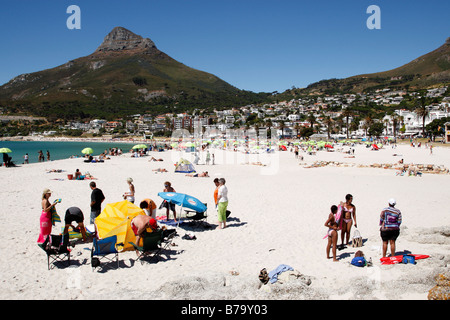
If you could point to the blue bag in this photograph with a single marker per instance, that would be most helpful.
(408, 259)
(359, 261)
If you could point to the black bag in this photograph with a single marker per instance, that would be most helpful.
(95, 262)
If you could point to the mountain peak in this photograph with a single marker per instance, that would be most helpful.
(120, 39)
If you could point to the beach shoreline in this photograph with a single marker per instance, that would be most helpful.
(278, 210)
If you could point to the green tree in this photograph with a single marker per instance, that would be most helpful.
(328, 122)
(422, 112)
(347, 113)
(376, 129)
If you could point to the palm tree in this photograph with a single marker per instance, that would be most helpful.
(347, 113)
(329, 124)
(339, 123)
(296, 128)
(367, 123)
(422, 112)
(395, 122)
(311, 119)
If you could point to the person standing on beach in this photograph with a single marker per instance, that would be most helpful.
(48, 155)
(171, 206)
(97, 198)
(40, 156)
(222, 198)
(332, 226)
(25, 158)
(45, 221)
(216, 191)
(390, 221)
(129, 195)
(349, 212)
(149, 207)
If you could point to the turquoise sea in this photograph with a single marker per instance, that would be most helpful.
(58, 150)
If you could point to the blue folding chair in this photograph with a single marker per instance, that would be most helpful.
(104, 250)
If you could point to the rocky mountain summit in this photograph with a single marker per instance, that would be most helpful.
(123, 39)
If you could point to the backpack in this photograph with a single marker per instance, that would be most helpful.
(359, 261)
(408, 259)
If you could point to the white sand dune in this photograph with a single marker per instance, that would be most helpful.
(278, 216)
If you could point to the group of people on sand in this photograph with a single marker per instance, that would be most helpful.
(74, 214)
(342, 217)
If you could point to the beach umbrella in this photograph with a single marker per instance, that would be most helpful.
(87, 151)
(115, 219)
(183, 200)
(140, 146)
(5, 150)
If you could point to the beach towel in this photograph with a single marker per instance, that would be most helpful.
(273, 275)
(399, 258)
(55, 216)
(339, 220)
(172, 222)
(45, 223)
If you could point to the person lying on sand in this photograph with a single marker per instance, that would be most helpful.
(154, 159)
(200, 175)
(160, 170)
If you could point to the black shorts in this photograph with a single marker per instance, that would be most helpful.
(387, 235)
(73, 214)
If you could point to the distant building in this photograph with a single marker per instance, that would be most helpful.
(447, 132)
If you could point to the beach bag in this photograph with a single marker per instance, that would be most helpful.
(408, 259)
(357, 239)
(359, 260)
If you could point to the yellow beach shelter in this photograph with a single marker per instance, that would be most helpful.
(115, 219)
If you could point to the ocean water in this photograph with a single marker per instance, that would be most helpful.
(58, 149)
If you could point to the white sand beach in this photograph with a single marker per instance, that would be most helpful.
(278, 213)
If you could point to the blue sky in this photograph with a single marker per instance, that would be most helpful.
(256, 45)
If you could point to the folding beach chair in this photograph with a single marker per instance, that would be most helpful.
(56, 248)
(153, 244)
(104, 250)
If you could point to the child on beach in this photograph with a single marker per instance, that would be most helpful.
(332, 226)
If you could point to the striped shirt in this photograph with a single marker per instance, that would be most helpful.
(390, 219)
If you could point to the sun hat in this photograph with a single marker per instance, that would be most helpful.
(153, 224)
(392, 201)
(129, 179)
(46, 190)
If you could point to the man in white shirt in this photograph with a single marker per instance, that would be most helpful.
(222, 199)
